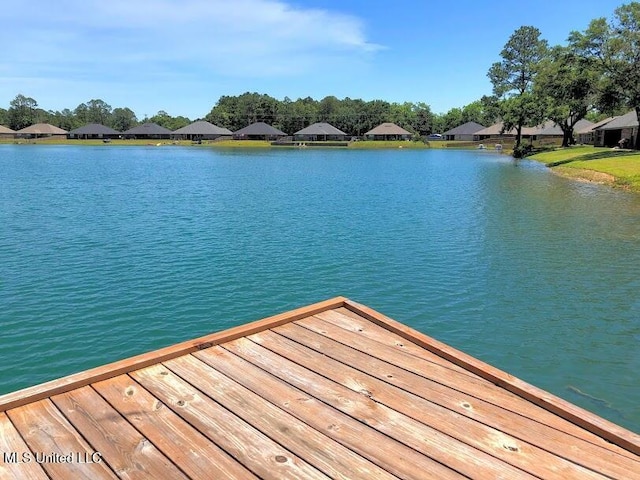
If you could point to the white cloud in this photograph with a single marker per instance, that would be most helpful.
(239, 38)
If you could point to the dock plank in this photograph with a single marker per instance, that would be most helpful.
(129, 454)
(309, 444)
(348, 320)
(586, 420)
(393, 456)
(574, 449)
(475, 387)
(332, 390)
(22, 465)
(191, 451)
(264, 457)
(47, 431)
(441, 447)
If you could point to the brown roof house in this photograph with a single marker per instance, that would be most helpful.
(201, 130)
(40, 130)
(388, 131)
(623, 127)
(258, 131)
(465, 132)
(148, 130)
(6, 132)
(320, 131)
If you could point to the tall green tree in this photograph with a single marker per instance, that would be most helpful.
(23, 112)
(513, 76)
(98, 111)
(4, 117)
(566, 84)
(615, 46)
(165, 120)
(122, 119)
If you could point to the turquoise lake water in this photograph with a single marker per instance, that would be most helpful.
(107, 252)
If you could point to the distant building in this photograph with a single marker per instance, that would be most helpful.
(94, 131)
(320, 131)
(463, 132)
(6, 132)
(148, 131)
(201, 130)
(40, 130)
(622, 127)
(258, 131)
(388, 131)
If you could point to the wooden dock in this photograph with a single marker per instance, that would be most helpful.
(333, 390)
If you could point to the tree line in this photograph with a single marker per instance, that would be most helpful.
(595, 75)
(353, 116)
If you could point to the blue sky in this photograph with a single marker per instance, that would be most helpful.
(182, 55)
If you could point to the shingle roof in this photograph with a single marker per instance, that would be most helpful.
(94, 129)
(320, 128)
(148, 129)
(496, 129)
(550, 128)
(259, 128)
(202, 128)
(43, 129)
(594, 126)
(388, 128)
(4, 129)
(468, 128)
(629, 119)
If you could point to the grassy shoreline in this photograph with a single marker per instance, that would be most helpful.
(617, 168)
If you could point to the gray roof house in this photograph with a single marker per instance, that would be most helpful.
(465, 132)
(319, 131)
(94, 130)
(258, 131)
(41, 130)
(201, 130)
(624, 127)
(495, 131)
(587, 134)
(148, 130)
(388, 131)
(551, 129)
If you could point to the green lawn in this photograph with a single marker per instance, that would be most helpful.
(620, 167)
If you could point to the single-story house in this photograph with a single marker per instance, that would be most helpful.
(495, 131)
(258, 131)
(319, 131)
(6, 132)
(587, 135)
(622, 127)
(95, 131)
(201, 130)
(41, 130)
(465, 132)
(148, 130)
(388, 131)
(550, 129)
